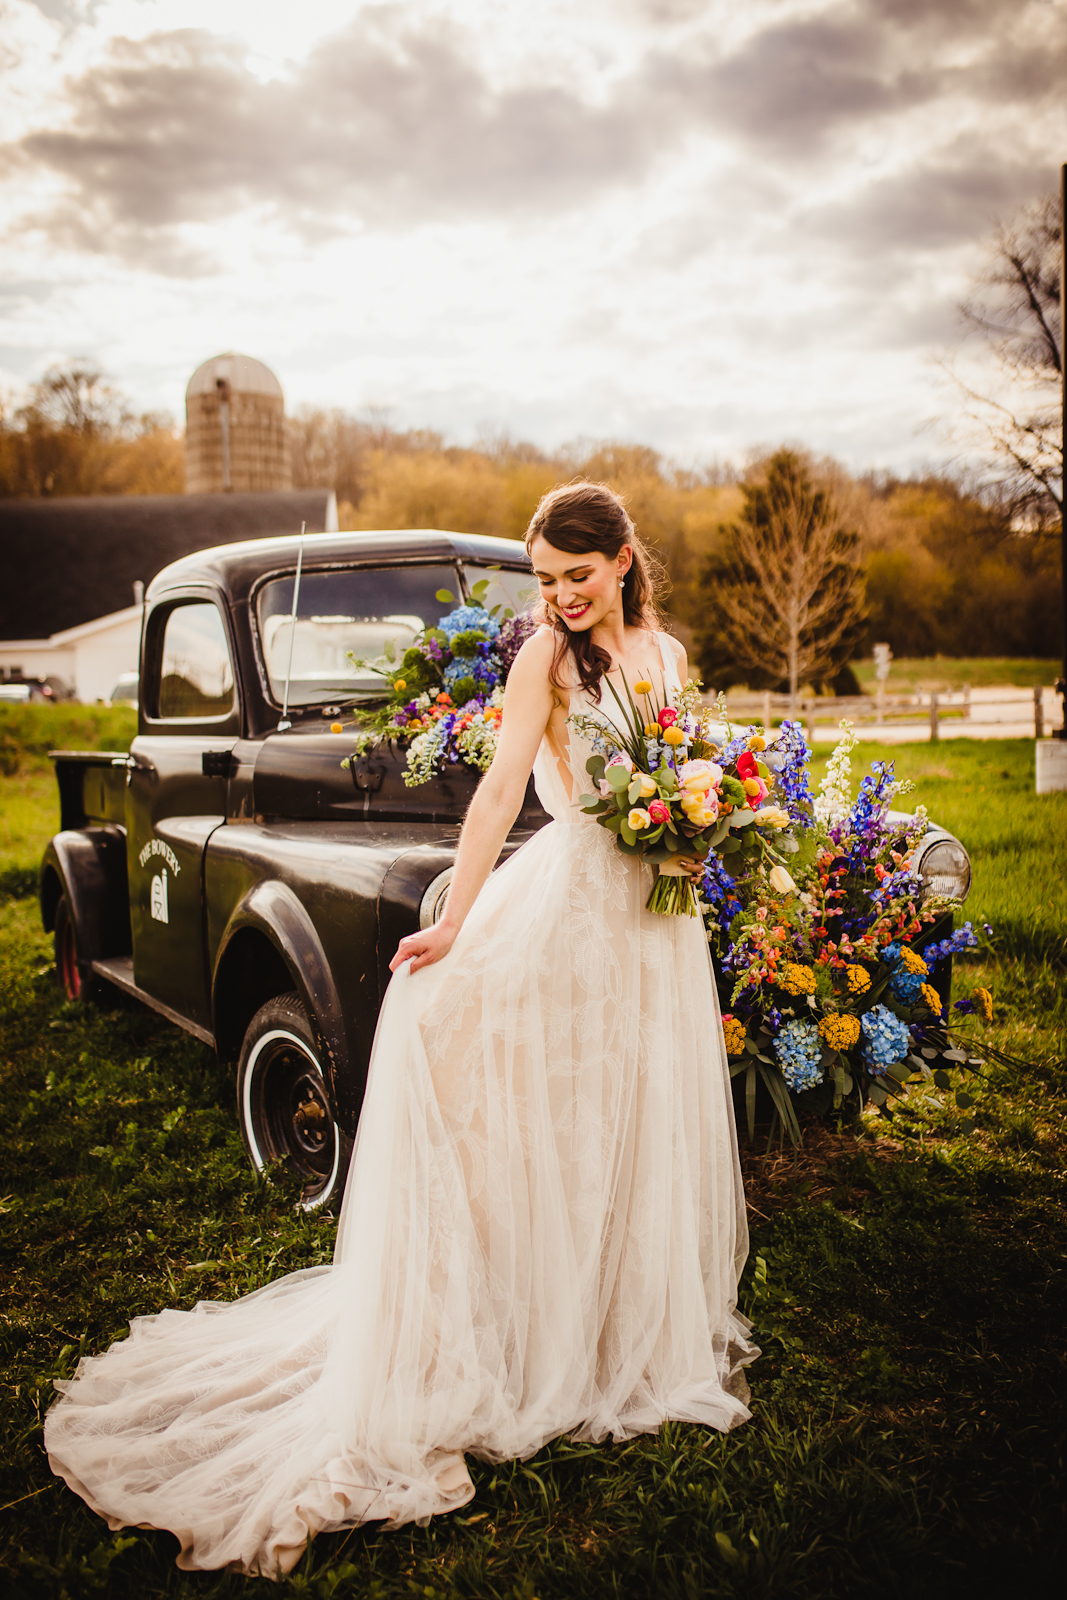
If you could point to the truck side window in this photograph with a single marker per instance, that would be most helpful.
(195, 677)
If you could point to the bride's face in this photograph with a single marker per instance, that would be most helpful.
(581, 588)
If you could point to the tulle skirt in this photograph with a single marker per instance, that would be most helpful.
(542, 1233)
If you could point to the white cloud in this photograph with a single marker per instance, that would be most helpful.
(703, 225)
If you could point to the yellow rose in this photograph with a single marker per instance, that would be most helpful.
(772, 817)
(649, 786)
(781, 881)
(673, 736)
(638, 819)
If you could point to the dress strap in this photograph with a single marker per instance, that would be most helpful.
(670, 666)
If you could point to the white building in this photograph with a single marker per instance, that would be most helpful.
(86, 660)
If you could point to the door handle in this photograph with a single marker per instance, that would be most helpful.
(218, 764)
(134, 764)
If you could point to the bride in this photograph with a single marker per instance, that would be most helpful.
(543, 1225)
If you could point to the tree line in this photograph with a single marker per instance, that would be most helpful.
(776, 574)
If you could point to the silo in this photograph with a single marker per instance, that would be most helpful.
(235, 433)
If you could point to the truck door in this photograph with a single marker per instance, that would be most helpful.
(177, 776)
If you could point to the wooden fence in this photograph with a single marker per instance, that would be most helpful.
(920, 710)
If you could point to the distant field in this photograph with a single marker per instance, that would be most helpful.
(948, 672)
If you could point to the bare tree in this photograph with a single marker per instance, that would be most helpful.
(1015, 310)
(787, 602)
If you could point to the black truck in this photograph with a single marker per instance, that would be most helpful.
(229, 871)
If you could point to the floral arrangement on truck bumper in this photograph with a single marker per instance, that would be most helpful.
(828, 984)
(668, 792)
(446, 693)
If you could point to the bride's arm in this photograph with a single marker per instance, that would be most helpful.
(497, 802)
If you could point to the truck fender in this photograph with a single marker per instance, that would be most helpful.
(272, 910)
(88, 865)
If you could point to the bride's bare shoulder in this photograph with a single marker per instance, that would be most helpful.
(534, 660)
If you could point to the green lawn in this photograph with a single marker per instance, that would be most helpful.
(947, 672)
(909, 1289)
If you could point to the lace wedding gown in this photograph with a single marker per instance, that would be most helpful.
(541, 1234)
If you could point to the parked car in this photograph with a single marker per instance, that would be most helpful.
(125, 692)
(227, 871)
(27, 691)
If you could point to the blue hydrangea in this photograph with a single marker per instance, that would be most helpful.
(466, 618)
(485, 670)
(906, 985)
(886, 1039)
(799, 1051)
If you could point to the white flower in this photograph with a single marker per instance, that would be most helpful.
(781, 881)
(834, 800)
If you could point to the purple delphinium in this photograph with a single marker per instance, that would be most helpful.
(792, 753)
(963, 939)
(720, 891)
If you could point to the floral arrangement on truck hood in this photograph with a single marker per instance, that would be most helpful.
(829, 984)
(446, 693)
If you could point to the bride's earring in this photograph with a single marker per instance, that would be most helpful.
(622, 583)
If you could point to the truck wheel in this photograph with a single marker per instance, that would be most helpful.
(284, 1105)
(75, 977)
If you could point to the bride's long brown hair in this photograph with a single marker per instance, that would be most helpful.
(581, 517)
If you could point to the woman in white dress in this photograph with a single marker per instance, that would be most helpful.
(543, 1226)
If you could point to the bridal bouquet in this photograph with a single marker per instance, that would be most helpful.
(830, 987)
(446, 692)
(667, 791)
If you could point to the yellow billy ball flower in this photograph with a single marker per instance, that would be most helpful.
(735, 1034)
(638, 819)
(400, 685)
(673, 736)
(642, 686)
(796, 979)
(652, 730)
(757, 742)
(859, 980)
(912, 962)
(336, 727)
(840, 1030)
(932, 998)
(983, 1004)
(752, 787)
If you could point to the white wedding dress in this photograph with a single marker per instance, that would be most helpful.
(541, 1234)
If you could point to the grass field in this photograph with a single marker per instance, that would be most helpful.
(946, 672)
(909, 1289)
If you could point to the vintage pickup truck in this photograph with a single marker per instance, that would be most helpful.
(229, 872)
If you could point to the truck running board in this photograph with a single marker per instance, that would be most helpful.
(119, 971)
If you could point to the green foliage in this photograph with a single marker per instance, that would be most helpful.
(908, 1288)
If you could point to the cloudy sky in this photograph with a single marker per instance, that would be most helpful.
(701, 224)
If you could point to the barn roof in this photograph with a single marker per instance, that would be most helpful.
(71, 559)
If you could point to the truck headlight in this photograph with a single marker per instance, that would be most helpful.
(432, 904)
(943, 865)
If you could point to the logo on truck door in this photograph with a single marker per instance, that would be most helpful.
(159, 897)
(157, 903)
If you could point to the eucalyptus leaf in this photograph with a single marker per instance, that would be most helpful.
(618, 779)
(445, 596)
(942, 1079)
(967, 1126)
(963, 1099)
(954, 1055)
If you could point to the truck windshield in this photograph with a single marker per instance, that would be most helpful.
(344, 614)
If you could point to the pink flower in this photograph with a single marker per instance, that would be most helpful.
(658, 811)
(667, 717)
